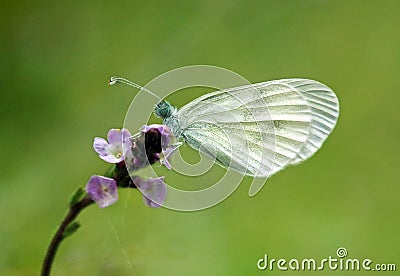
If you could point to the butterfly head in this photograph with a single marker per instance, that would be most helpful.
(164, 110)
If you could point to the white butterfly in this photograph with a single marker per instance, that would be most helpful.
(257, 129)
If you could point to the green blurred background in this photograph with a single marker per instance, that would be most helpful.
(55, 61)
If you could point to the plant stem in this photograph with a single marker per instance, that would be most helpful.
(73, 212)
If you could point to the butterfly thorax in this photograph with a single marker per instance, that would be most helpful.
(168, 113)
(173, 123)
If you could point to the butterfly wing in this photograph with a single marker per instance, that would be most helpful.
(260, 129)
(324, 107)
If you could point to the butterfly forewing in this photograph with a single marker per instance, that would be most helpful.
(260, 129)
(324, 108)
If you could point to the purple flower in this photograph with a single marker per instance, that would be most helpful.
(111, 151)
(167, 149)
(154, 190)
(102, 190)
(135, 155)
(164, 131)
(150, 145)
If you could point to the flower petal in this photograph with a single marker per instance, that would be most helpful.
(100, 146)
(154, 190)
(163, 130)
(111, 151)
(114, 136)
(102, 190)
(127, 142)
(125, 133)
(111, 158)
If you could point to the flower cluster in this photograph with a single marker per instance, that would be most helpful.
(128, 154)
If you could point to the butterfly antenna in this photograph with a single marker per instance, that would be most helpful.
(115, 80)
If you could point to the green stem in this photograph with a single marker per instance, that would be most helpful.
(59, 236)
(120, 174)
